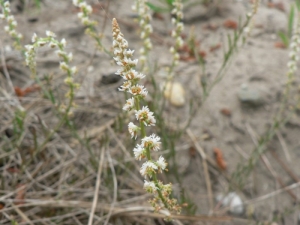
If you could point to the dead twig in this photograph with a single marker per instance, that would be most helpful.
(284, 147)
(285, 167)
(274, 193)
(115, 187)
(205, 168)
(98, 182)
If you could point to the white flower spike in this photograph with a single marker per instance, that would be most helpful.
(123, 58)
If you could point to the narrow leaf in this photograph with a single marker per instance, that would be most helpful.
(291, 21)
(157, 8)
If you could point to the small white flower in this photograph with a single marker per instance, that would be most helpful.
(138, 90)
(61, 53)
(34, 38)
(64, 66)
(2, 16)
(150, 187)
(146, 116)
(142, 51)
(6, 4)
(89, 9)
(130, 62)
(129, 104)
(80, 15)
(63, 42)
(119, 63)
(247, 30)
(133, 129)
(179, 41)
(123, 43)
(74, 70)
(50, 34)
(85, 21)
(143, 59)
(133, 75)
(120, 71)
(148, 43)
(29, 48)
(10, 18)
(69, 80)
(14, 23)
(180, 26)
(161, 163)
(172, 50)
(173, 20)
(52, 44)
(128, 52)
(148, 168)
(82, 5)
(12, 33)
(291, 64)
(126, 86)
(70, 56)
(173, 33)
(139, 152)
(148, 28)
(152, 142)
(75, 2)
(142, 23)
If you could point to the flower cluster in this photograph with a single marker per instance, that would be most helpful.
(294, 46)
(176, 33)
(146, 29)
(247, 29)
(85, 11)
(65, 57)
(150, 168)
(83, 15)
(12, 24)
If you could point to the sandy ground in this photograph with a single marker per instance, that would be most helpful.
(257, 65)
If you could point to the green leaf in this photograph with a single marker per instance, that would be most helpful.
(284, 38)
(298, 5)
(229, 41)
(291, 21)
(170, 2)
(157, 8)
(38, 3)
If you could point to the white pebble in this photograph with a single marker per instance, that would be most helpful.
(175, 93)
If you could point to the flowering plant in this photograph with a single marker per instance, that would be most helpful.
(65, 57)
(150, 168)
(11, 24)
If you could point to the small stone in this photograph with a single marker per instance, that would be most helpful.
(233, 201)
(7, 48)
(110, 79)
(250, 96)
(175, 93)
